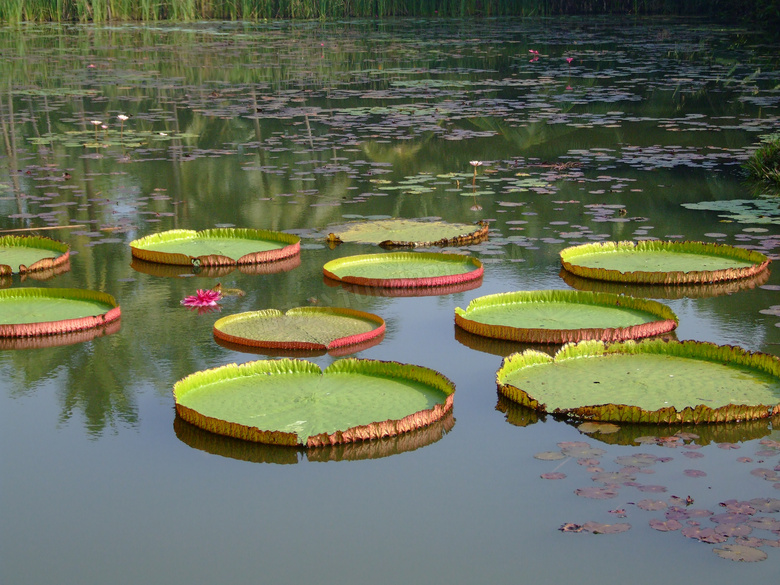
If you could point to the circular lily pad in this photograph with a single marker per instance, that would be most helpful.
(302, 328)
(23, 254)
(648, 382)
(26, 312)
(404, 269)
(409, 233)
(560, 316)
(216, 247)
(294, 402)
(178, 271)
(659, 262)
(669, 291)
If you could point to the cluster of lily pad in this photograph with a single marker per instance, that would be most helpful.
(741, 529)
(665, 381)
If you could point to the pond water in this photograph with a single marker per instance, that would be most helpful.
(587, 130)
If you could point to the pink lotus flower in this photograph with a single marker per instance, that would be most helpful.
(569, 60)
(203, 298)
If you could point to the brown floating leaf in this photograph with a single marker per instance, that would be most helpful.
(550, 456)
(665, 525)
(598, 528)
(735, 552)
(604, 493)
(651, 505)
(595, 427)
(703, 534)
(553, 475)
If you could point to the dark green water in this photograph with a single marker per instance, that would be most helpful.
(297, 127)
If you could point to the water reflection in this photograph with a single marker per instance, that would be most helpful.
(197, 438)
(660, 291)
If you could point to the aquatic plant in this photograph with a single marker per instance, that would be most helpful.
(764, 163)
(202, 298)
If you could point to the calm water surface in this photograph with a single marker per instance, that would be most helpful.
(298, 127)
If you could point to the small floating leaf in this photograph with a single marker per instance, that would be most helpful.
(735, 552)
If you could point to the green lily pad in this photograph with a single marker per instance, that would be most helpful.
(294, 402)
(648, 382)
(560, 316)
(23, 254)
(668, 291)
(26, 312)
(659, 262)
(302, 328)
(216, 247)
(404, 269)
(409, 233)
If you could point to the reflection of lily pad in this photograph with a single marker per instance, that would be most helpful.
(175, 270)
(404, 269)
(260, 453)
(307, 328)
(216, 247)
(398, 233)
(23, 254)
(60, 339)
(559, 316)
(294, 402)
(379, 291)
(659, 262)
(28, 312)
(648, 382)
(669, 291)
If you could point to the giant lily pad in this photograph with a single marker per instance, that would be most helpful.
(404, 269)
(648, 382)
(179, 271)
(560, 316)
(28, 312)
(302, 328)
(23, 254)
(659, 262)
(668, 291)
(294, 402)
(409, 233)
(216, 247)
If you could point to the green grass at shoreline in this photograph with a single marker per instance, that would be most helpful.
(15, 11)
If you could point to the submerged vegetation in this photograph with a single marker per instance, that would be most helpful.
(764, 164)
(765, 11)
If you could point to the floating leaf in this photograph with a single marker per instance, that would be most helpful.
(735, 552)
(405, 269)
(648, 382)
(216, 247)
(659, 262)
(665, 525)
(302, 328)
(289, 402)
(598, 528)
(23, 254)
(26, 312)
(399, 233)
(560, 316)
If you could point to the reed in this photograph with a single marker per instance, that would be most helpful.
(14, 11)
